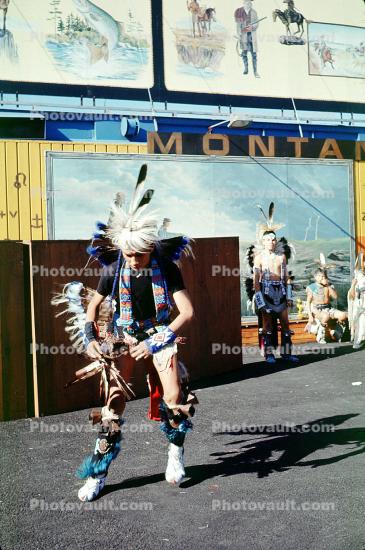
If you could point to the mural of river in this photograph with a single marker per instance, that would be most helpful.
(125, 63)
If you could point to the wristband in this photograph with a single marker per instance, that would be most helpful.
(259, 299)
(159, 340)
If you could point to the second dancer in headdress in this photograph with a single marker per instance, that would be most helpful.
(272, 287)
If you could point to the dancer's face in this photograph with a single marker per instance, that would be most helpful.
(269, 242)
(321, 279)
(137, 260)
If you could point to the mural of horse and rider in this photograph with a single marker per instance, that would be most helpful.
(287, 17)
(201, 18)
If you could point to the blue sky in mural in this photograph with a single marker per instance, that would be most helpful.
(205, 198)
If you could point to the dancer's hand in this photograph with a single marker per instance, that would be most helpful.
(290, 303)
(140, 351)
(93, 350)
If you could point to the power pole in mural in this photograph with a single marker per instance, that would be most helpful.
(308, 228)
(316, 231)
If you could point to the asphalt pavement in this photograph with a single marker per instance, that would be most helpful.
(275, 461)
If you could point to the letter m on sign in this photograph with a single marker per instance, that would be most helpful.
(156, 145)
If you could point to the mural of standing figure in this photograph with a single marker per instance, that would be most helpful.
(247, 22)
(4, 6)
(194, 8)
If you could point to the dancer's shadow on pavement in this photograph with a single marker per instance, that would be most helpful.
(269, 449)
(277, 449)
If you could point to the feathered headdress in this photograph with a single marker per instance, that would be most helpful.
(322, 263)
(133, 229)
(269, 224)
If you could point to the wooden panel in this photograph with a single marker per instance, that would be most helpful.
(79, 147)
(56, 363)
(12, 191)
(67, 147)
(24, 191)
(15, 334)
(3, 194)
(112, 149)
(89, 147)
(133, 149)
(216, 302)
(122, 149)
(37, 191)
(56, 146)
(100, 148)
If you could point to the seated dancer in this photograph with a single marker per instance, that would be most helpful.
(356, 303)
(320, 312)
(140, 275)
(272, 288)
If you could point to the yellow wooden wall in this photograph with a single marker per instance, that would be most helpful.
(23, 203)
(360, 203)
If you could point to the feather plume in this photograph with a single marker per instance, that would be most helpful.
(269, 225)
(141, 179)
(322, 262)
(147, 196)
(75, 297)
(262, 211)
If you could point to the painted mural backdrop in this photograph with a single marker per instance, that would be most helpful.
(271, 48)
(77, 42)
(218, 199)
(336, 50)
